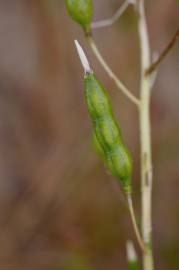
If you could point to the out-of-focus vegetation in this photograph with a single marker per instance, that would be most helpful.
(59, 207)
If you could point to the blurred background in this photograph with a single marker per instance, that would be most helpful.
(59, 208)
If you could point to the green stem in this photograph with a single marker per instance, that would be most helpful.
(145, 137)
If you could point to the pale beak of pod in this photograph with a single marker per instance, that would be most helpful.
(83, 59)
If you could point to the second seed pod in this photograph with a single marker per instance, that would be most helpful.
(81, 11)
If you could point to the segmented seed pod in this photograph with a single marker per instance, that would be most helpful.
(107, 134)
(81, 11)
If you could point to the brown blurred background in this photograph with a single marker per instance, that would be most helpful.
(59, 207)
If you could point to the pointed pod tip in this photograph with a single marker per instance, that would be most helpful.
(83, 58)
(131, 252)
(132, 2)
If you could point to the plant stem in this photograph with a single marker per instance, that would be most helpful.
(119, 84)
(134, 223)
(145, 137)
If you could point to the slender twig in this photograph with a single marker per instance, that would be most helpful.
(165, 52)
(145, 138)
(134, 223)
(114, 18)
(108, 70)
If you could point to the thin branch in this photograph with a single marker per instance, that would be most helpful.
(134, 223)
(108, 70)
(165, 52)
(115, 17)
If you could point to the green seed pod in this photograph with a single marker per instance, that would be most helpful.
(81, 11)
(107, 133)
